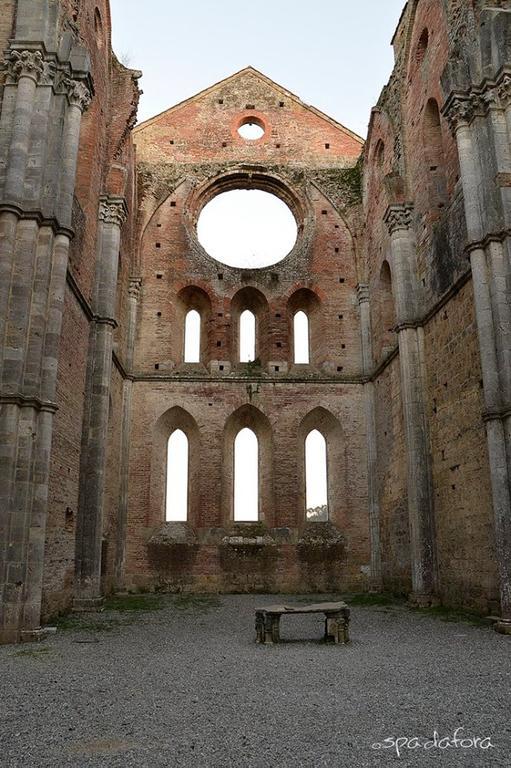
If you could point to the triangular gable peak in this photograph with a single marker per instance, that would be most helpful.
(204, 128)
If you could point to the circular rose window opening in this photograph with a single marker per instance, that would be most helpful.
(247, 228)
(251, 129)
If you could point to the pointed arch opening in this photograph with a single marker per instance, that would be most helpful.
(177, 477)
(316, 478)
(385, 306)
(192, 337)
(193, 316)
(247, 337)
(434, 156)
(305, 327)
(249, 313)
(246, 476)
(301, 338)
(322, 492)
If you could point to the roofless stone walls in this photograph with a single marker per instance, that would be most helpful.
(159, 396)
(188, 156)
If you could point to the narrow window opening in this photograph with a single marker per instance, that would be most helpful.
(247, 336)
(192, 337)
(316, 477)
(177, 477)
(301, 338)
(246, 477)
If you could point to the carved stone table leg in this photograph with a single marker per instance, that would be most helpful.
(272, 628)
(260, 627)
(337, 628)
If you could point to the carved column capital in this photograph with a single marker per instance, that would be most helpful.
(504, 90)
(25, 64)
(134, 287)
(78, 93)
(460, 110)
(398, 217)
(362, 293)
(113, 210)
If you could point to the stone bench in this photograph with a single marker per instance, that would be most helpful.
(337, 620)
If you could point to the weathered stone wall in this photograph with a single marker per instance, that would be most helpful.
(411, 159)
(465, 532)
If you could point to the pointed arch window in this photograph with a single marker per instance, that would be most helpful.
(316, 477)
(177, 477)
(192, 337)
(301, 338)
(246, 476)
(247, 337)
(434, 155)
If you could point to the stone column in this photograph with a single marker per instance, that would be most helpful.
(134, 298)
(112, 214)
(27, 68)
(420, 498)
(490, 290)
(372, 472)
(33, 267)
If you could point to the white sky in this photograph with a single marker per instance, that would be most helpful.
(334, 54)
(247, 228)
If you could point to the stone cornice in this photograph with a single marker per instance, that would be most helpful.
(39, 217)
(28, 401)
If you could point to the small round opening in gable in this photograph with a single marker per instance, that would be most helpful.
(251, 129)
(247, 228)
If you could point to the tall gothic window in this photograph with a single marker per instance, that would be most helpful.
(301, 338)
(246, 476)
(316, 477)
(247, 336)
(192, 336)
(177, 477)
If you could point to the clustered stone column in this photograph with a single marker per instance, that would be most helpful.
(481, 122)
(398, 219)
(35, 230)
(112, 214)
(120, 559)
(372, 472)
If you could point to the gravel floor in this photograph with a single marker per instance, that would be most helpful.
(189, 687)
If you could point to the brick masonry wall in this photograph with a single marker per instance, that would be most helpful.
(179, 153)
(211, 404)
